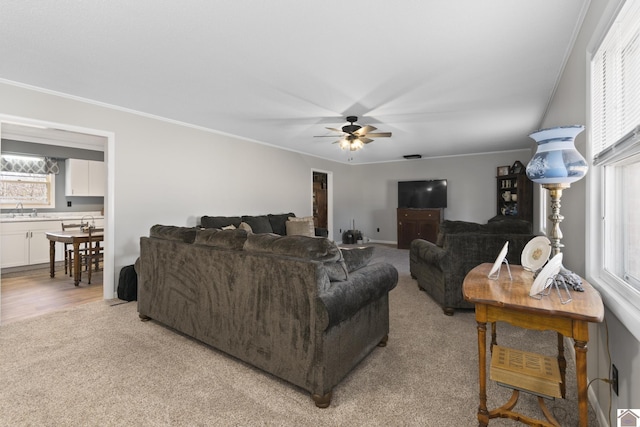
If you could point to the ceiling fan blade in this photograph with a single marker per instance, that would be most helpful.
(365, 130)
(324, 136)
(365, 140)
(335, 130)
(379, 135)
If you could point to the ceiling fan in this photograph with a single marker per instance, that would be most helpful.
(355, 136)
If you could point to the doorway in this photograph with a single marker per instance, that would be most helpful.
(322, 194)
(40, 132)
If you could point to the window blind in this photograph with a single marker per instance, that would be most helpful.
(615, 87)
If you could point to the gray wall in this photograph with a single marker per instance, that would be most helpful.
(78, 204)
(471, 189)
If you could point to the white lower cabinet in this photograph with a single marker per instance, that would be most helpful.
(26, 243)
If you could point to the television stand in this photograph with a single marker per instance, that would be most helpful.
(418, 224)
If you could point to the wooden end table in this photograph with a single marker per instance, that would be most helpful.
(509, 301)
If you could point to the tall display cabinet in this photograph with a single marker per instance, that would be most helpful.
(514, 195)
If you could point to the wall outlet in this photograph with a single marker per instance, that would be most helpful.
(614, 379)
(69, 203)
(378, 229)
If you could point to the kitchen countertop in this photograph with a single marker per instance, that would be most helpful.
(51, 216)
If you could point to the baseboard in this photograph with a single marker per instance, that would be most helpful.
(385, 242)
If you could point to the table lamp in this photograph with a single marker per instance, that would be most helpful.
(555, 165)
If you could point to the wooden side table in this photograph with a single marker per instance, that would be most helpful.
(509, 301)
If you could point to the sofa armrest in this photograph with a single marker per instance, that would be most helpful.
(365, 285)
(427, 252)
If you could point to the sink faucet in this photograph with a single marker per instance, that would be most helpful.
(19, 205)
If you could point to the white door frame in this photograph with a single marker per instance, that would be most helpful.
(108, 287)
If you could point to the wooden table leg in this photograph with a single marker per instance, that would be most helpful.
(483, 413)
(76, 263)
(581, 374)
(52, 258)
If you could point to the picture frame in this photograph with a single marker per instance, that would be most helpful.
(517, 167)
(503, 170)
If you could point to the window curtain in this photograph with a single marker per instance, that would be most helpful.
(39, 165)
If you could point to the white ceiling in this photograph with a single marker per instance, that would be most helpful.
(447, 77)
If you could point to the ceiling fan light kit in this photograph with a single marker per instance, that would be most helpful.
(356, 136)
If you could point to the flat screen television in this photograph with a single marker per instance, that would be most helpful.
(422, 194)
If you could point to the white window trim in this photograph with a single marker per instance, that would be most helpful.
(619, 298)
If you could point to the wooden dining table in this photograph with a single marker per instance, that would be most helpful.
(76, 238)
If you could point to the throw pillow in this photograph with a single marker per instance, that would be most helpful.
(246, 227)
(171, 232)
(229, 227)
(300, 226)
(355, 258)
(300, 229)
(259, 224)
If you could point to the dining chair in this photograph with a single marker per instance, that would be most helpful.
(93, 254)
(68, 248)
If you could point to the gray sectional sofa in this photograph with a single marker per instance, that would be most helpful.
(294, 306)
(440, 268)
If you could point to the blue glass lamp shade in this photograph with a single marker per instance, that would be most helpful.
(557, 161)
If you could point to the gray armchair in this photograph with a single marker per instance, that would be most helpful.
(441, 268)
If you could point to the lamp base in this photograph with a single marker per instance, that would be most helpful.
(555, 191)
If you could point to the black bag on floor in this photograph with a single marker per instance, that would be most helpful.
(128, 284)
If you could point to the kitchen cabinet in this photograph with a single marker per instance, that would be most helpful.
(26, 243)
(418, 224)
(84, 178)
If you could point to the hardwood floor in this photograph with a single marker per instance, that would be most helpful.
(32, 292)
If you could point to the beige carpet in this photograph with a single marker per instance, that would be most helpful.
(99, 365)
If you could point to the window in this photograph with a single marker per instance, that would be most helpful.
(614, 143)
(27, 181)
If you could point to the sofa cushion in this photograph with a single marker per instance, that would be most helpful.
(219, 221)
(171, 232)
(355, 258)
(453, 227)
(224, 239)
(312, 248)
(259, 224)
(278, 222)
